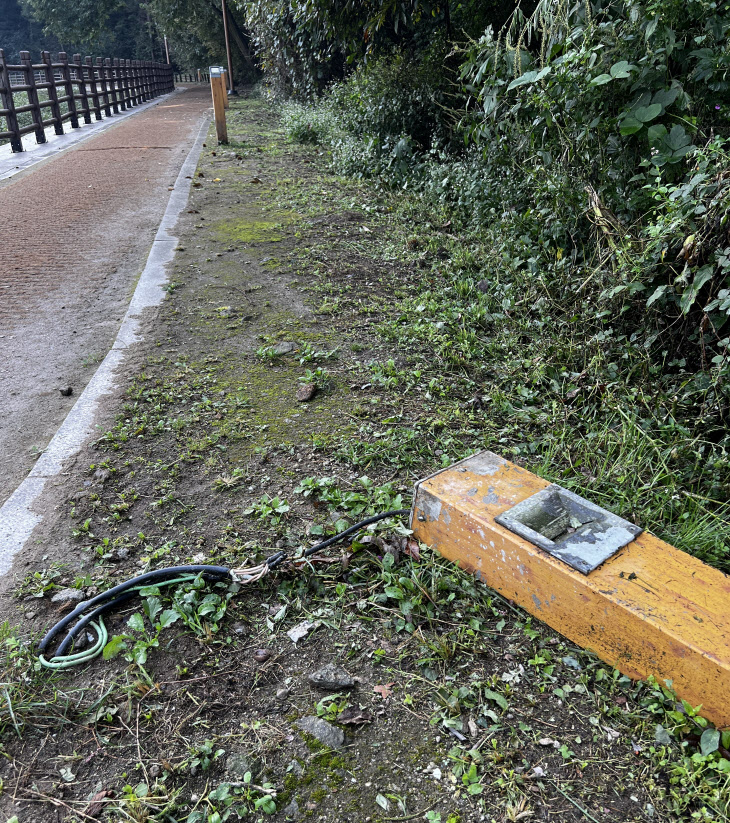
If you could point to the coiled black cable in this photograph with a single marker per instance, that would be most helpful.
(108, 600)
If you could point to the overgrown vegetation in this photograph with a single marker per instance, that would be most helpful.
(571, 171)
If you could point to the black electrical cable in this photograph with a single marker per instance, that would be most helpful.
(148, 579)
(126, 591)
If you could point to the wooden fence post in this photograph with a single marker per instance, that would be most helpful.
(83, 94)
(68, 86)
(32, 92)
(104, 87)
(118, 75)
(111, 84)
(136, 92)
(126, 74)
(8, 110)
(52, 93)
(144, 80)
(94, 88)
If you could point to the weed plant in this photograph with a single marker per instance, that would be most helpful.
(575, 249)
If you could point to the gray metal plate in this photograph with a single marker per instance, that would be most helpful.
(569, 527)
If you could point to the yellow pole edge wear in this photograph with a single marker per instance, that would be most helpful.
(649, 609)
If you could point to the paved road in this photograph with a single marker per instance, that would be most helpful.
(75, 232)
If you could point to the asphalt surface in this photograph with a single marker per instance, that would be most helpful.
(76, 233)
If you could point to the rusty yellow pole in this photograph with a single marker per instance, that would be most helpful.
(646, 609)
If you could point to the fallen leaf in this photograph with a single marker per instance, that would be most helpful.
(300, 631)
(216, 180)
(384, 690)
(412, 549)
(97, 802)
(353, 716)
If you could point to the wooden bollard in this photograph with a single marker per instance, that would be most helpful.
(218, 90)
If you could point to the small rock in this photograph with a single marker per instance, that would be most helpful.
(261, 655)
(67, 596)
(154, 770)
(122, 553)
(306, 392)
(572, 663)
(327, 734)
(436, 774)
(282, 694)
(292, 810)
(285, 347)
(331, 678)
(238, 764)
(102, 475)
(30, 614)
(255, 180)
(296, 768)
(67, 392)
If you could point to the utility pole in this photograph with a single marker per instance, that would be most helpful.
(228, 46)
(167, 51)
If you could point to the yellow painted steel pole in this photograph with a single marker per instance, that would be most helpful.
(647, 610)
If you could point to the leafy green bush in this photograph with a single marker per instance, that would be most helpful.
(311, 124)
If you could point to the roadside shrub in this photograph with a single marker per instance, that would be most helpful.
(315, 124)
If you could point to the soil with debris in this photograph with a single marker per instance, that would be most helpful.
(273, 403)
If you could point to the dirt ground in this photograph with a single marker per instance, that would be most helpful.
(456, 706)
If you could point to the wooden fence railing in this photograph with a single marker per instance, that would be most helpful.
(188, 77)
(71, 90)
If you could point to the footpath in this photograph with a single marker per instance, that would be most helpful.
(77, 229)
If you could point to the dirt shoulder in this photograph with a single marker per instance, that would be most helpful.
(452, 704)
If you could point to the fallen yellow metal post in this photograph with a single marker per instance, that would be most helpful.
(646, 608)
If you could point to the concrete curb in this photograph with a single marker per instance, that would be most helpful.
(17, 518)
(13, 164)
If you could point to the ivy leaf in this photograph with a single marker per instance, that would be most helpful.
(665, 97)
(690, 294)
(523, 79)
(644, 114)
(656, 134)
(710, 741)
(630, 125)
(661, 736)
(621, 70)
(656, 294)
(678, 138)
(601, 80)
